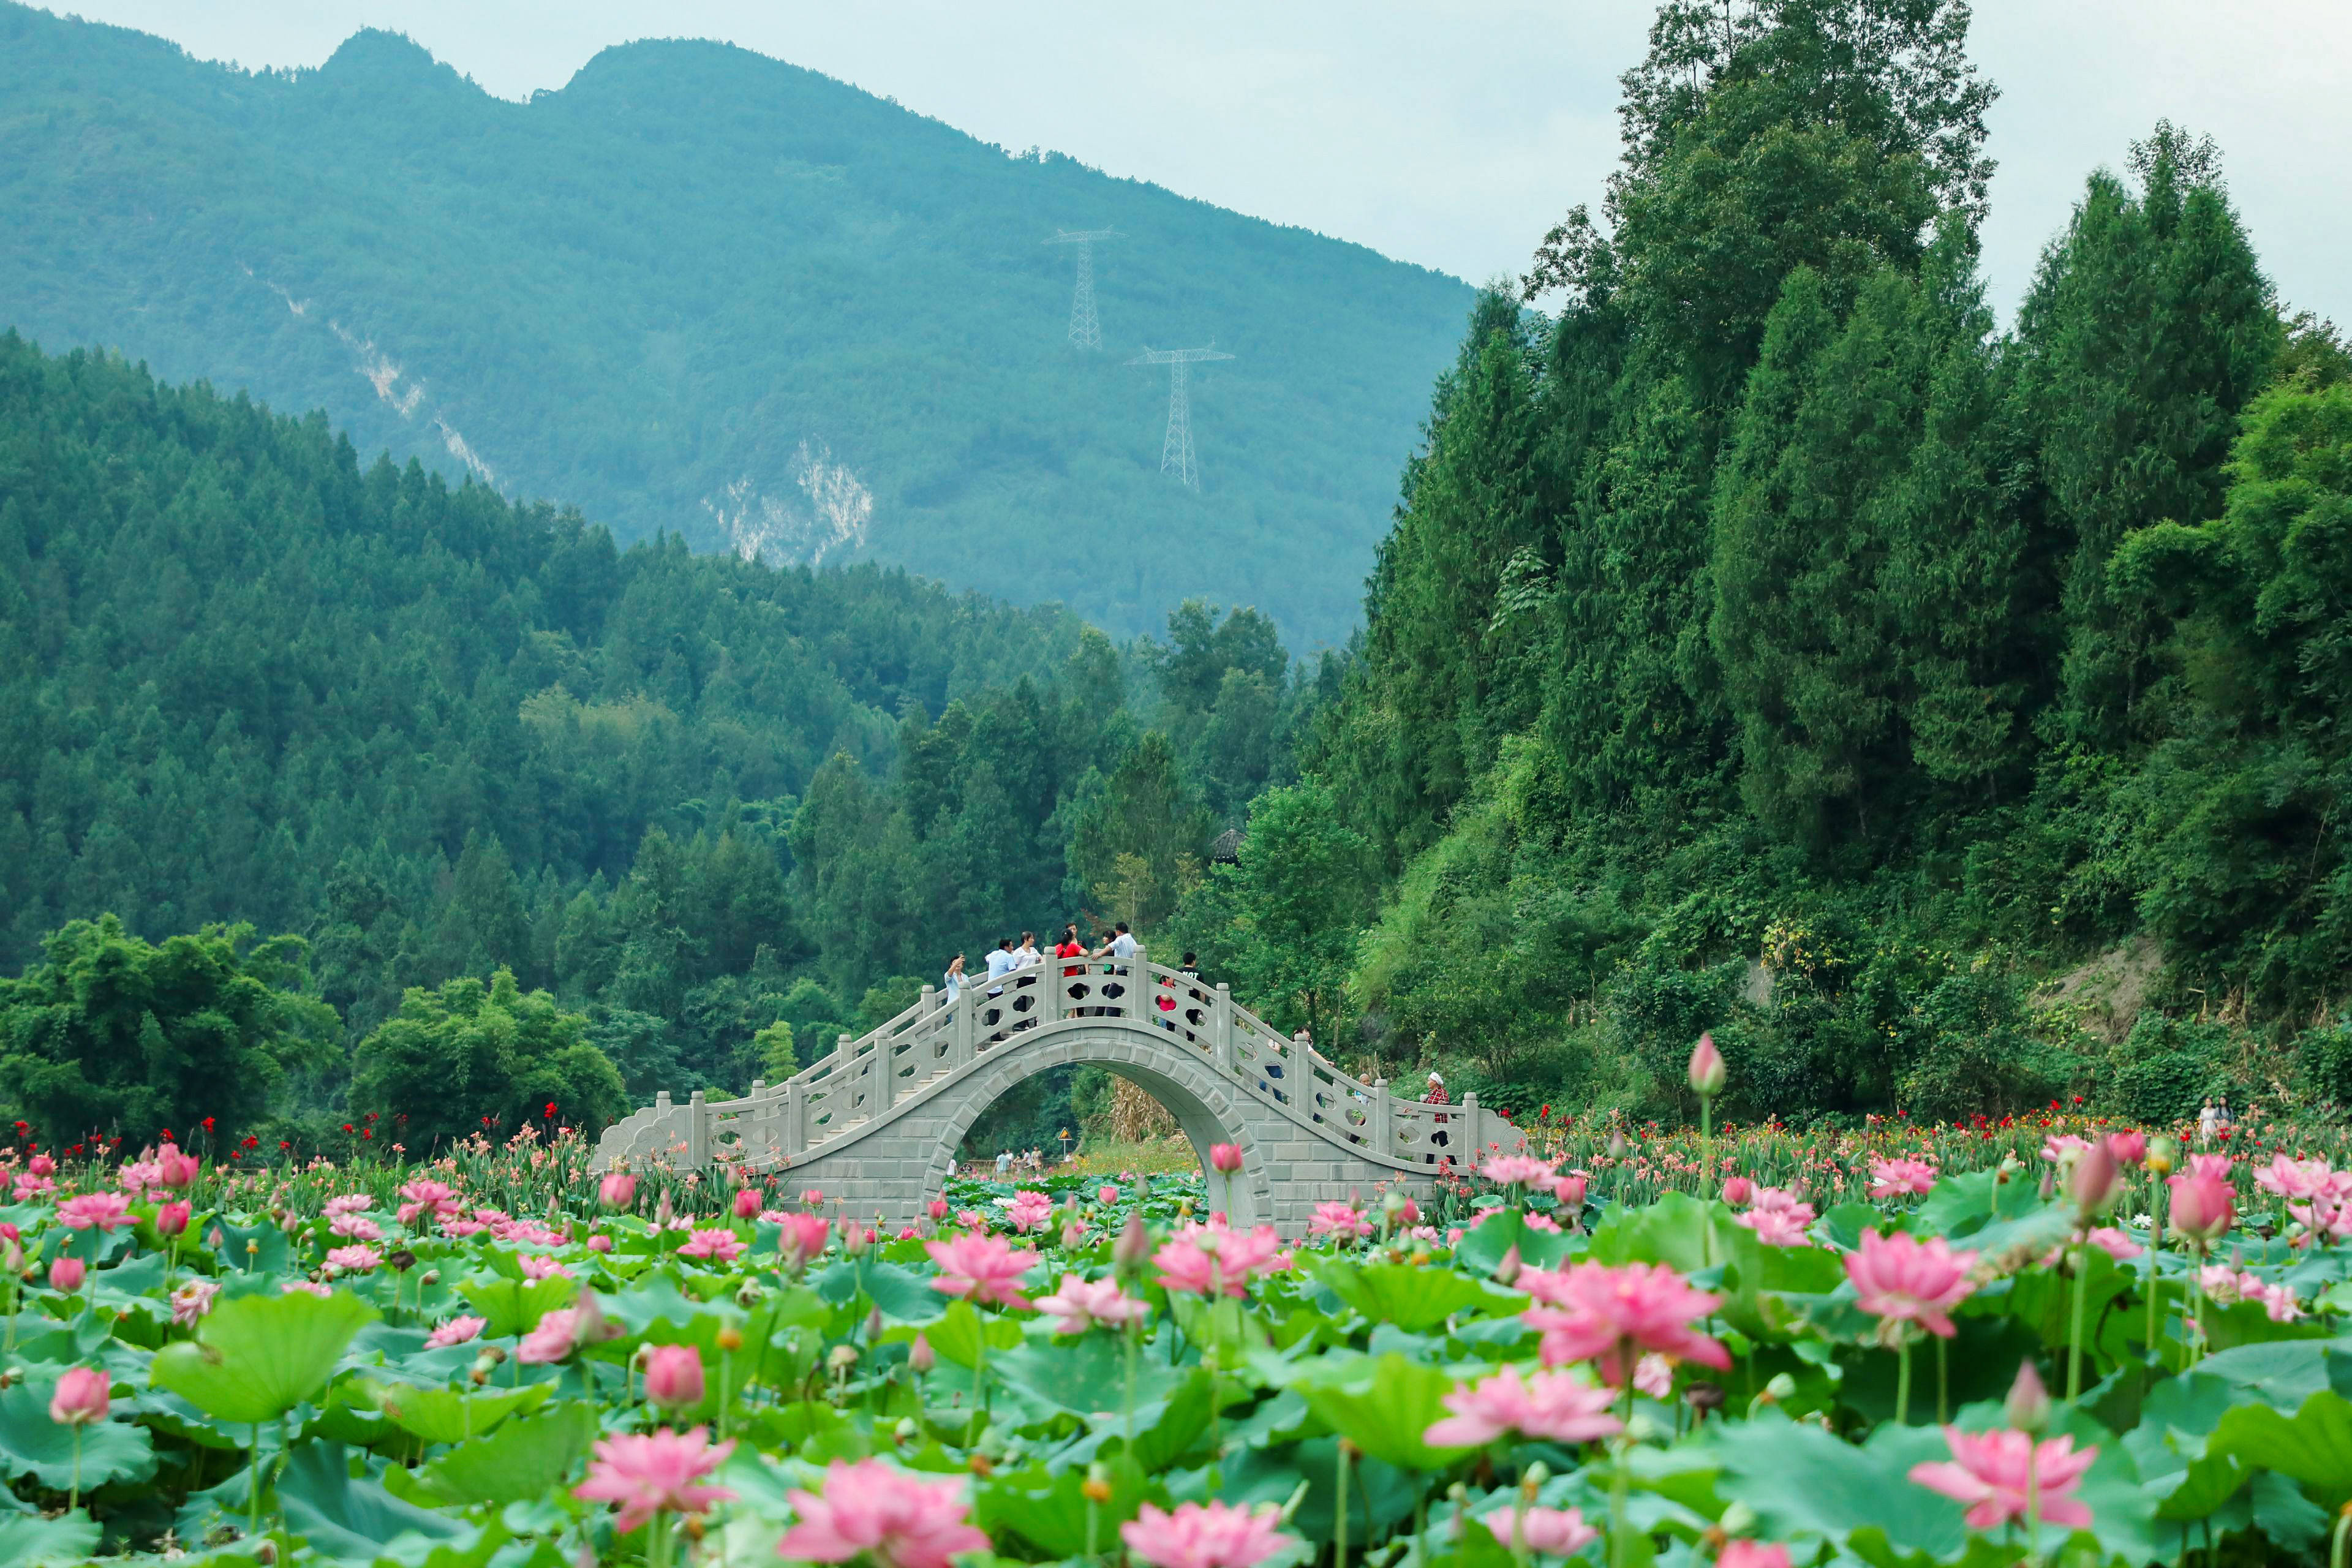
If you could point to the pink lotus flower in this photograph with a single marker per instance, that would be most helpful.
(1778, 1218)
(937, 1208)
(799, 1237)
(1654, 1374)
(1901, 1177)
(65, 1274)
(747, 1202)
(1518, 1170)
(307, 1287)
(1107, 1195)
(1900, 1278)
(657, 1473)
(869, 1509)
(1751, 1554)
(355, 1227)
(350, 1202)
(1549, 1404)
(714, 1247)
(1738, 1192)
(1225, 1158)
(674, 1377)
(556, 1337)
(617, 1191)
(2062, 1148)
(982, 1269)
(2128, 1148)
(2114, 1243)
(2295, 1178)
(1555, 1531)
(1339, 1219)
(354, 1260)
(83, 1395)
(436, 1199)
(1029, 1211)
(1569, 1188)
(1608, 1315)
(41, 1165)
(1204, 1536)
(455, 1332)
(540, 1266)
(600, 1243)
(1216, 1259)
(176, 1170)
(106, 1210)
(1992, 1472)
(172, 1219)
(1079, 1305)
(190, 1301)
(971, 1219)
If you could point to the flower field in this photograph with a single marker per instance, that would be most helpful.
(1893, 1348)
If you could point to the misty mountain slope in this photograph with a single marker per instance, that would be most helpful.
(701, 290)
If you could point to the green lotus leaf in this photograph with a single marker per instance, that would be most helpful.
(256, 1358)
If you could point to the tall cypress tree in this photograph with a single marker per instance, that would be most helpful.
(2147, 329)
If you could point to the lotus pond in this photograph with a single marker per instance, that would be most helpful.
(2099, 1350)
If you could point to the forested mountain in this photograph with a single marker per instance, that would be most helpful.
(1952, 719)
(245, 678)
(701, 292)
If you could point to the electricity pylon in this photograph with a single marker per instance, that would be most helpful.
(1176, 452)
(1083, 330)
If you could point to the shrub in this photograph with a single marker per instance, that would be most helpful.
(2166, 1068)
(465, 1053)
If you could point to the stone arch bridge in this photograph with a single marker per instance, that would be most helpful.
(876, 1124)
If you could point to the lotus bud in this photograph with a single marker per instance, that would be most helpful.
(2203, 1206)
(1226, 1158)
(674, 1377)
(1134, 1243)
(1737, 1520)
(2095, 1181)
(1706, 1069)
(855, 1239)
(2128, 1148)
(747, 1202)
(65, 1274)
(600, 1243)
(1532, 1482)
(2028, 1407)
(1740, 1192)
(617, 1191)
(919, 1355)
(1570, 1190)
(41, 1165)
(813, 1198)
(873, 1325)
(1508, 1269)
(172, 1219)
(1074, 1234)
(938, 1209)
(1782, 1388)
(1616, 1145)
(2049, 1185)
(83, 1395)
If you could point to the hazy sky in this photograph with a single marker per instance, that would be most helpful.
(1448, 134)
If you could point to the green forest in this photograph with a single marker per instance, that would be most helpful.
(1949, 715)
(703, 292)
(448, 754)
(1952, 718)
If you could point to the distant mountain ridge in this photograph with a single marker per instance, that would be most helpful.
(701, 290)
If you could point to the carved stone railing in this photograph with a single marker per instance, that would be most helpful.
(856, 1084)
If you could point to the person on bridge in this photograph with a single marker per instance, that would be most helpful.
(1070, 947)
(1437, 1096)
(1026, 953)
(1000, 964)
(954, 978)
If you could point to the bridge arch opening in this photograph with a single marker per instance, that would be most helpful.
(1205, 1113)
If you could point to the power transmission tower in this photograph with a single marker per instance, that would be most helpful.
(1084, 333)
(1176, 452)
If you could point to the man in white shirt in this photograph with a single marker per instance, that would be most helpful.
(1000, 964)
